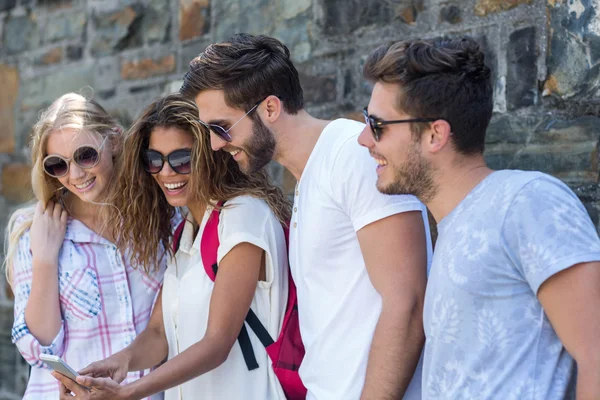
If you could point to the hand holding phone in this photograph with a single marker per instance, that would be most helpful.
(59, 365)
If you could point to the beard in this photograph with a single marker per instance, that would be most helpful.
(415, 177)
(260, 148)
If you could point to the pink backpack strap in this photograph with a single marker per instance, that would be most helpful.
(209, 244)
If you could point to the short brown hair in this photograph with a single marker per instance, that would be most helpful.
(440, 78)
(248, 69)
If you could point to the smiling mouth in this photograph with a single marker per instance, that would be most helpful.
(381, 161)
(85, 184)
(234, 152)
(173, 187)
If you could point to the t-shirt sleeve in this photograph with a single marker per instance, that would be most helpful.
(353, 184)
(547, 230)
(244, 220)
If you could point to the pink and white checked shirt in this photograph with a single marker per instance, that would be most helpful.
(104, 302)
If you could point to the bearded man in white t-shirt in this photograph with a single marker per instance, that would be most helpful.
(358, 258)
(511, 308)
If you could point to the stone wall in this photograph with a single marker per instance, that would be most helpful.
(544, 54)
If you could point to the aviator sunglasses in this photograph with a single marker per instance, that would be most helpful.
(85, 157)
(224, 133)
(376, 124)
(179, 160)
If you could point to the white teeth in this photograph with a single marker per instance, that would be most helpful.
(233, 153)
(380, 161)
(173, 186)
(85, 184)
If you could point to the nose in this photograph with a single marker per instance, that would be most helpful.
(75, 171)
(167, 170)
(366, 137)
(216, 142)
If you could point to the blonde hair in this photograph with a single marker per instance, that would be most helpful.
(73, 111)
(144, 223)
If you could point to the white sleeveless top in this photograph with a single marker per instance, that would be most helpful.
(186, 297)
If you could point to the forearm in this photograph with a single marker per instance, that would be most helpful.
(42, 312)
(394, 354)
(148, 349)
(588, 380)
(198, 359)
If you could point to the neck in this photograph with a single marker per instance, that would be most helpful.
(89, 214)
(197, 210)
(297, 136)
(454, 183)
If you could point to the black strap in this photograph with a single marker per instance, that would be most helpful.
(244, 340)
(247, 350)
(259, 329)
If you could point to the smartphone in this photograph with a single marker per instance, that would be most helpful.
(57, 364)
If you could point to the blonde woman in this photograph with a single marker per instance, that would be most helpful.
(76, 295)
(197, 322)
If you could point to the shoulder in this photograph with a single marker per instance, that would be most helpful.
(539, 188)
(342, 135)
(242, 210)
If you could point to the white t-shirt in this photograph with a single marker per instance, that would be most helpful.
(488, 336)
(337, 304)
(187, 291)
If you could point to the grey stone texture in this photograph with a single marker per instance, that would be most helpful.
(544, 56)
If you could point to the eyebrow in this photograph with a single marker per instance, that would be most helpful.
(218, 122)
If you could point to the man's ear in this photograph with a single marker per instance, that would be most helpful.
(272, 108)
(438, 135)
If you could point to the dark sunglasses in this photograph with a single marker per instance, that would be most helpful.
(224, 133)
(179, 160)
(376, 124)
(84, 157)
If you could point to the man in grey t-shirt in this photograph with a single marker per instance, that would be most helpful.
(511, 307)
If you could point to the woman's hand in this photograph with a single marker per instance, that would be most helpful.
(48, 231)
(114, 367)
(99, 388)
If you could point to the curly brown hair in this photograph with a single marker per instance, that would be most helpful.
(141, 220)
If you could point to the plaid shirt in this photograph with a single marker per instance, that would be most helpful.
(104, 303)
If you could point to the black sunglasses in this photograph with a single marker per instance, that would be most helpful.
(179, 160)
(84, 157)
(224, 133)
(376, 124)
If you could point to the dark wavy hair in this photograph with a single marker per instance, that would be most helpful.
(247, 68)
(439, 78)
(141, 220)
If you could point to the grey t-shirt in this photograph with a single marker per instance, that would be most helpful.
(487, 334)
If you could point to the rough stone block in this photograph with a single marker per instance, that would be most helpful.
(74, 52)
(155, 23)
(65, 25)
(194, 18)
(485, 7)
(294, 34)
(318, 89)
(21, 33)
(6, 5)
(113, 30)
(52, 56)
(254, 17)
(16, 183)
(451, 14)
(574, 50)
(41, 90)
(582, 129)
(521, 79)
(191, 50)
(147, 67)
(341, 17)
(9, 76)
